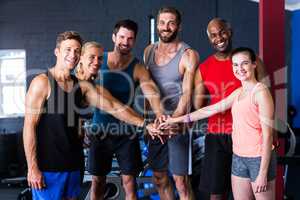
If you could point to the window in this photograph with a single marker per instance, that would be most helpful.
(152, 30)
(12, 83)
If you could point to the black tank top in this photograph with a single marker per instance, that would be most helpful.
(59, 147)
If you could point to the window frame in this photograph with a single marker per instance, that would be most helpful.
(21, 55)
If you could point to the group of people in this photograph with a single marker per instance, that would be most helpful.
(170, 78)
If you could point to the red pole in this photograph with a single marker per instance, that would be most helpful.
(272, 51)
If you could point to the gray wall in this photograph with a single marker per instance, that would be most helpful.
(33, 25)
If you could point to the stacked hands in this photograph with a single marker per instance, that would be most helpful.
(163, 128)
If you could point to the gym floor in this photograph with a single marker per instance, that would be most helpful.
(10, 191)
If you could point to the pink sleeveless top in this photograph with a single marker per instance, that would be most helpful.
(247, 132)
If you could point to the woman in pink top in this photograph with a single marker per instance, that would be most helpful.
(254, 161)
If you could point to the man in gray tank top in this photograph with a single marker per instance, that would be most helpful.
(172, 64)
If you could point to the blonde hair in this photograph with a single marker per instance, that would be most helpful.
(90, 44)
(78, 70)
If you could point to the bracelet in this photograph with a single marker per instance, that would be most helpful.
(187, 119)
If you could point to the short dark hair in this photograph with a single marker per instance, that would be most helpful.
(168, 9)
(248, 50)
(128, 24)
(68, 35)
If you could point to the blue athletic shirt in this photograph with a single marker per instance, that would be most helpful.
(121, 84)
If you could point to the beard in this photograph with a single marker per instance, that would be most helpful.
(167, 39)
(123, 51)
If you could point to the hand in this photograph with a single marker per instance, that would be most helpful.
(167, 123)
(35, 178)
(167, 130)
(161, 119)
(261, 183)
(154, 132)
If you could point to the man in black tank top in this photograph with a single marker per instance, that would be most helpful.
(172, 65)
(51, 142)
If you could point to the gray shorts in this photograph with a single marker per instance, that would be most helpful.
(248, 167)
(174, 155)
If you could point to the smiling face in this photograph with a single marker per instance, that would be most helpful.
(91, 60)
(124, 40)
(167, 27)
(219, 36)
(68, 54)
(242, 66)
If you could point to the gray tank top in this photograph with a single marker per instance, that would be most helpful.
(167, 77)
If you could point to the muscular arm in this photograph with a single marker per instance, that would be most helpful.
(189, 62)
(103, 100)
(35, 98)
(199, 98)
(149, 88)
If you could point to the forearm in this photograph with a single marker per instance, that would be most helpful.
(183, 106)
(185, 101)
(126, 114)
(196, 115)
(152, 95)
(208, 111)
(29, 140)
(200, 97)
(120, 111)
(156, 107)
(199, 102)
(103, 100)
(266, 154)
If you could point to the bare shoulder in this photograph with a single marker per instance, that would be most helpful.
(37, 93)
(191, 53)
(261, 87)
(40, 84)
(86, 86)
(140, 71)
(139, 65)
(190, 59)
(147, 51)
(262, 92)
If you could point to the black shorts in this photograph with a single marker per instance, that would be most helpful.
(216, 171)
(126, 149)
(173, 155)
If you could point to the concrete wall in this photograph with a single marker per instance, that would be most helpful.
(33, 25)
